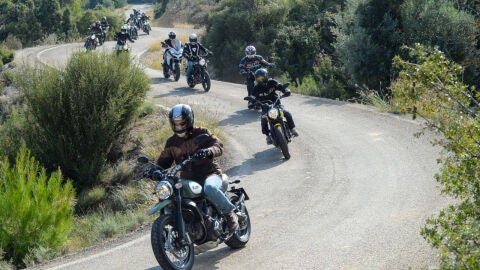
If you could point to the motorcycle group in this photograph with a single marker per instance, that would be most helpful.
(198, 206)
(128, 32)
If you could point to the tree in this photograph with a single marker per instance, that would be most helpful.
(48, 15)
(429, 85)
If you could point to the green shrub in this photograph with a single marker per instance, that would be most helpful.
(35, 209)
(6, 55)
(76, 115)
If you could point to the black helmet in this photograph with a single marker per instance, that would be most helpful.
(261, 75)
(193, 38)
(178, 114)
(172, 35)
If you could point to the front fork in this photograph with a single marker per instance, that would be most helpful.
(184, 237)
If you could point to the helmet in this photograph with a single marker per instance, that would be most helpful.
(193, 38)
(250, 51)
(97, 23)
(261, 75)
(181, 119)
(172, 35)
(131, 15)
(104, 19)
(123, 28)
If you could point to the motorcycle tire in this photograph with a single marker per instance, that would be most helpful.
(159, 235)
(282, 142)
(240, 238)
(166, 73)
(176, 74)
(206, 83)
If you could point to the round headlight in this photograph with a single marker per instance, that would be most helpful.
(164, 190)
(273, 113)
(202, 62)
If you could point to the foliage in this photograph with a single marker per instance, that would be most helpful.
(160, 7)
(429, 85)
(35, 209)
(6, 55)
(76, 115)
(367, 40)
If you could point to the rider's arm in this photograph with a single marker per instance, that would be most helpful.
(165, 160)
(241, 67)
(216, 147)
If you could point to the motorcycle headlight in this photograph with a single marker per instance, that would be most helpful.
(92, 36)
(273, 113)
(202, 62)
(164, 190)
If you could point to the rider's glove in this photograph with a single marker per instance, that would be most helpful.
(157, 174)
(287, 93)
(203, 153)
(148, 173)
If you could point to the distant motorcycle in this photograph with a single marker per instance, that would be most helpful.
(91, 42)
(173, 59)
(132, 30)
(200, 73)
(187, 219)
(277, 122)
(146, 28)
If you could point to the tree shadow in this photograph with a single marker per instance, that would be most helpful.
(159, 80)
(182, 92)
(241, 117)
(260, 161)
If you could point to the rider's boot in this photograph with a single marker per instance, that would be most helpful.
(232, 221)
(294, 132)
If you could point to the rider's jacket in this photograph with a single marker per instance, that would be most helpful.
(263, 92)
(122, 37)
(178, 149)
(95, 29)
(252, 64)
(192, 49)
(169, 42)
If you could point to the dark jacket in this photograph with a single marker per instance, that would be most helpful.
(178, 149)
(122, 37)
(192, 49)
(252, 64)
(263, 92)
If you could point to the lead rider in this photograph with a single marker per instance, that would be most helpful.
(205, 170)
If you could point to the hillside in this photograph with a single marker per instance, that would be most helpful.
(180, 12)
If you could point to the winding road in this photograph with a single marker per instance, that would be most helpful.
(354, 195)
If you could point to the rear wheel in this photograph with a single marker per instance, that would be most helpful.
(206, 83)
(240, 238)
(168, 252)
(282, 142)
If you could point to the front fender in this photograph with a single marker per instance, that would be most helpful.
(159, 206)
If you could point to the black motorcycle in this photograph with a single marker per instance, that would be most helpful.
(277, 122)
(91, 42)
(200, 73)
(187, 219)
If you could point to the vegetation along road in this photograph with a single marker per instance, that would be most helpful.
(354, 195)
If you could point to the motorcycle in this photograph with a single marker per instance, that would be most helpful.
(187, 219)
(146, 28)
(173, 59)
(91, 42)
(123, 47)
(132, 30)
(200, 73)
(277, 123)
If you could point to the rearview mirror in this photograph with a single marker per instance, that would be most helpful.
(201, 139)
(142, 159)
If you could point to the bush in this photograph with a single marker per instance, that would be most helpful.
(6, 55)
(76, 115)
(35, 209)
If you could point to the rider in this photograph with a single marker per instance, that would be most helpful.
(169, 43)
(121, 37)
(96, 28)
(248, 65)
(265, 89)
(105, 25)
(206, 170)
(191, 51)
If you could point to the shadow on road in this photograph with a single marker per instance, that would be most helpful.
(208, 260)
(241, 117)
(182, 92)
(260, 161)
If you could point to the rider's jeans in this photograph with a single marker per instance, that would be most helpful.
(212, 191)
(189, 69)
(288, 116)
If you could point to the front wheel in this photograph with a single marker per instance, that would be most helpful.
(166, 247)
(176, 75)
(240, 238)
(282, 142)
(206, 81)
